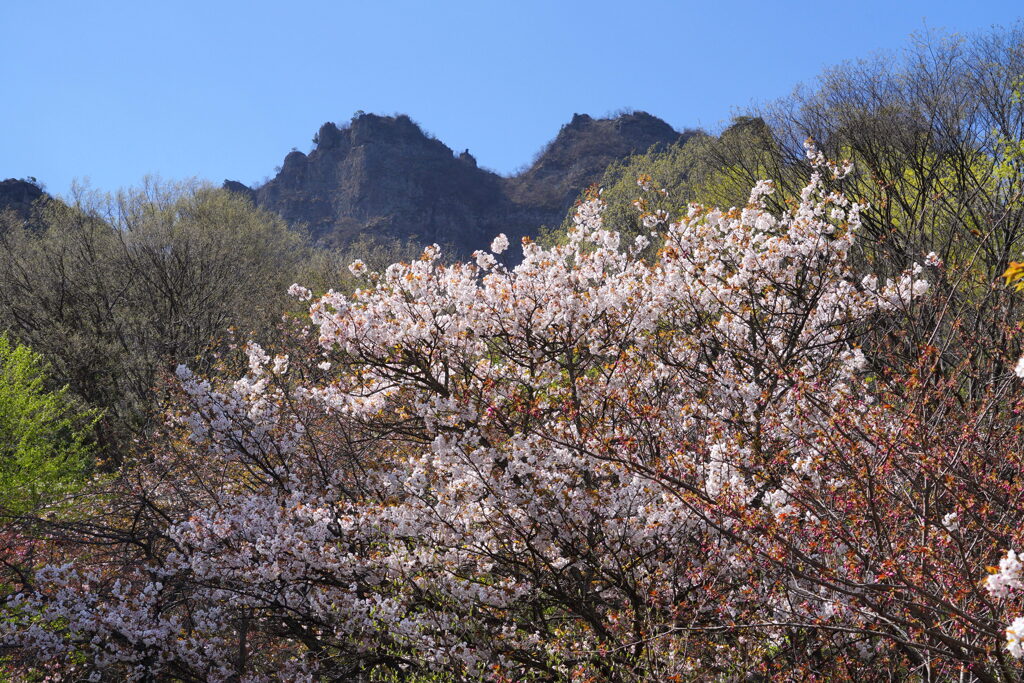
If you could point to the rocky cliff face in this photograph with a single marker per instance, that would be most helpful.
(20, 197)
(383, 177)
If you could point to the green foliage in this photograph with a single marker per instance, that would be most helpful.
(670, 170)
(724, 164)
(44, 437)
(328, 268)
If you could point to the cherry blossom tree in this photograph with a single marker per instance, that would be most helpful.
(591, 466)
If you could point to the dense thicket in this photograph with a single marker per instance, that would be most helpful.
(116, 290)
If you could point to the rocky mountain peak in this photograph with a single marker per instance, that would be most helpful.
(581, 152)
(383, 176)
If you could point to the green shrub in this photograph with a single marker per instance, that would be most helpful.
(45, 448)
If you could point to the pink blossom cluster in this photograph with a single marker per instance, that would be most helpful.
(503, 472)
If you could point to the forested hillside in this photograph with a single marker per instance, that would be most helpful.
(750, 410)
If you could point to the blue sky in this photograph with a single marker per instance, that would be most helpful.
(111, 90)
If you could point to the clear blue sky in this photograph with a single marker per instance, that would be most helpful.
(111, 90)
